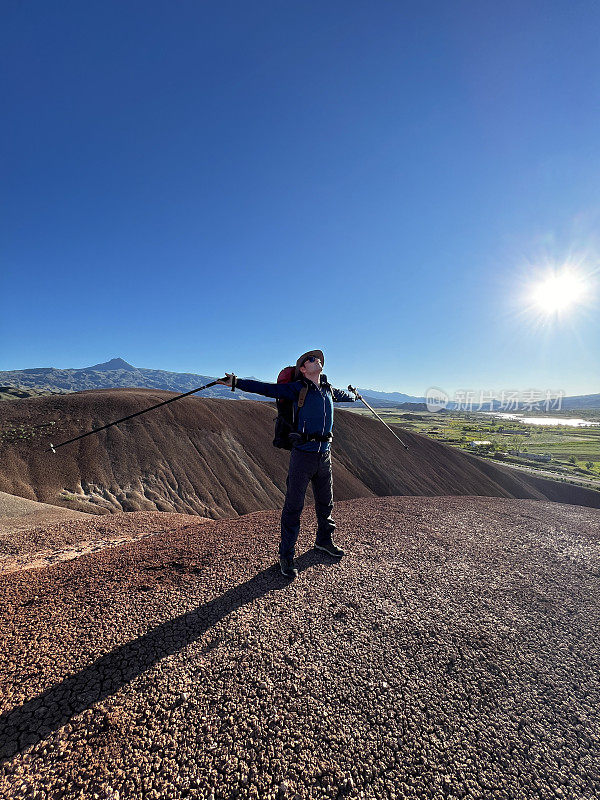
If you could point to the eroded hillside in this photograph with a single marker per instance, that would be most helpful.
(215, 458)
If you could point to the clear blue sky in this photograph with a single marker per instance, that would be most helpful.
(219, 186)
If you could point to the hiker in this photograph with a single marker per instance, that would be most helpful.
(310, 459)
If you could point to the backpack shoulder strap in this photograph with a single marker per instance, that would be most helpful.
(302, 396)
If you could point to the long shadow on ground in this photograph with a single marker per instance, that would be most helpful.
(37, 718)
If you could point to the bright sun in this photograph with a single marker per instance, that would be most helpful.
(558, 291)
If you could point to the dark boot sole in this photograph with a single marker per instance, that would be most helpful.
(325, 550)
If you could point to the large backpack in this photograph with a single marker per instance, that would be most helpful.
(285, 422)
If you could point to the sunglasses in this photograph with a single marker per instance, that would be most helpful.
(311, 359)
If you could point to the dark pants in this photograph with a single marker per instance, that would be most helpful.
(305, 467)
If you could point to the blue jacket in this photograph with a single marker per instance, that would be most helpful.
(315, 416)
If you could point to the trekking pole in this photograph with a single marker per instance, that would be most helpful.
(360, 397)
(53, 447)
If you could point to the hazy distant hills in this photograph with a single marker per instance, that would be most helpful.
(395, 399)
(118, 374)
(582, 401)
(113, 374)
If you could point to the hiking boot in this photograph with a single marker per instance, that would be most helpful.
(330, 547)
(287, 567)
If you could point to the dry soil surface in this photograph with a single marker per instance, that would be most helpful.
(453, 652)
(35, 545)
(19, 514)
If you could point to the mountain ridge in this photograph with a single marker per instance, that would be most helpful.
(118, 373)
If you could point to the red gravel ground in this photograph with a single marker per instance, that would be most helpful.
(453, 652)
(39, 545)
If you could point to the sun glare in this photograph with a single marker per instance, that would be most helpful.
(557, 291)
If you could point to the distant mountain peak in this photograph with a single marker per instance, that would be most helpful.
(114, 363)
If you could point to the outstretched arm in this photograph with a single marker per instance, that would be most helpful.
(277, 390)
(339, 396)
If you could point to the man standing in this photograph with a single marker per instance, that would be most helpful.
(310, 459)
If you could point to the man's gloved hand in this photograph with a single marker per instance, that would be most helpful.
(229, 382)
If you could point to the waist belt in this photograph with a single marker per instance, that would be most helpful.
(310, 437)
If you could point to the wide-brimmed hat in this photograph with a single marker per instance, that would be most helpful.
(317, 353)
